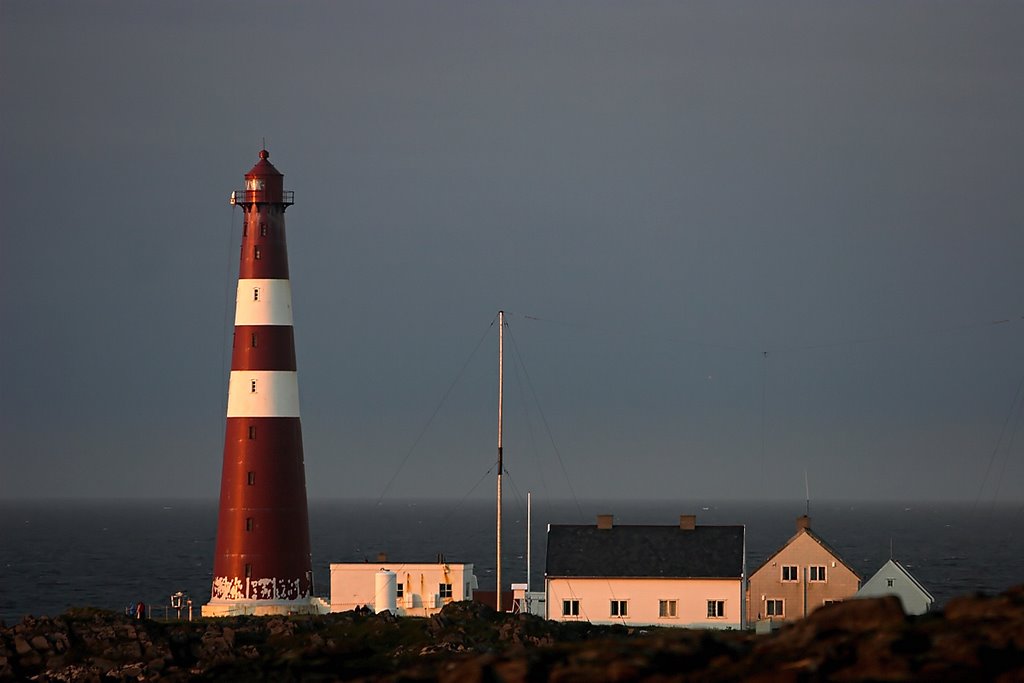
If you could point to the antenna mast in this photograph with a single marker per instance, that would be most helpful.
(807, 493)
(529, 520)
(501, 388)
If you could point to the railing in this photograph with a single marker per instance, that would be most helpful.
(261, 197)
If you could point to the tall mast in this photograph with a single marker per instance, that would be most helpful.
(529, 515)
(501, 388)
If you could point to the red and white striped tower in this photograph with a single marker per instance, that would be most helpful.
(262, 563)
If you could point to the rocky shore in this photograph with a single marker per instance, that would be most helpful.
(973, 638)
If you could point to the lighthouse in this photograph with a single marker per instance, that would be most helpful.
(262, 562)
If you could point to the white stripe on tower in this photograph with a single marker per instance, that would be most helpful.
(263, 393)
(263, 302)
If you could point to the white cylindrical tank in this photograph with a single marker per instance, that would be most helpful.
(385, 593)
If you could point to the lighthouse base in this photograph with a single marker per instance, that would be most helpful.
(264, 608)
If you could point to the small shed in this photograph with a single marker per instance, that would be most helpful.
(894, 579)
(407, 589)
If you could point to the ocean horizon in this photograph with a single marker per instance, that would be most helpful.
(62, 553)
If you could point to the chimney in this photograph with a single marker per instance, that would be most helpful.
(604, 521)
(687, 522)
(382, 557)
(803, 522)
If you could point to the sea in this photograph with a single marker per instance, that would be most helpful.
(108, 554)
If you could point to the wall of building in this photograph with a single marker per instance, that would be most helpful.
(802, 595)
(353, 585)
(914, 601)
(643, 598)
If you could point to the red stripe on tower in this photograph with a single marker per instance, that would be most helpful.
(262, 562)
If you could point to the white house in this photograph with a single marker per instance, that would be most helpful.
(415, 589)
(684, 575)
(894, 579)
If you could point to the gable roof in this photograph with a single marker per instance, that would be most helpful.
(645, 551)
(893, 566)
(817, 539)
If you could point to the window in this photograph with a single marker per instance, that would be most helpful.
(818, 573)
(400, 590)
(789, 573)
(255, 293)
(667, 609)
(252, 431)
(256, 254)
(252, 386)
(774, 608)
(890, 582)
(570, 608)
(253, 340)
(619, 608)
(444, 590)
(716, 609)
(263, 229)
(252, 478)
(248, 571)
(829, 602)
(248, 524)
(245, 229)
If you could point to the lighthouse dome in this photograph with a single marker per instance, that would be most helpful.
(263, 182)
(263, 167)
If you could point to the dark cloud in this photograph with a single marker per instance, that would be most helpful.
(657, 194)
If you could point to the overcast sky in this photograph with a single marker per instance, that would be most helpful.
(657, 193)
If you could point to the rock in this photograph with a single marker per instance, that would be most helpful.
(476, 670)
(132, 670)
(131, 650)
(979, 638)
(102, 665)
(21, 645)
(30, 660)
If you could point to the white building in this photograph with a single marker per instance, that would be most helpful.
(415, 589)
(685, 576)
(894, 579)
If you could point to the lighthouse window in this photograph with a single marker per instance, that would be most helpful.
(256, 253)
(255, 293)
(252, 384)
(254, 340)
(248, 571)
(245, 229)
(252, 478)
(248, 523)
(252, 431)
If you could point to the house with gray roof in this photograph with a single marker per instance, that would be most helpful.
(894, 579)
(681, 575)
